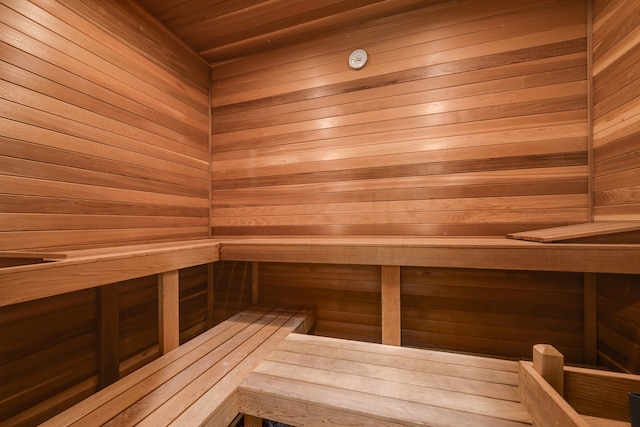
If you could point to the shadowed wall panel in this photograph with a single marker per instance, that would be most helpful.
(104, 121)
(469, 119)
(619, 322)
(503, 313)
(48, 356)
(616, 110)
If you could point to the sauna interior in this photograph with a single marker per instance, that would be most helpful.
(157, 121)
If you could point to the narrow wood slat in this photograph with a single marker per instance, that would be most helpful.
(576, 231)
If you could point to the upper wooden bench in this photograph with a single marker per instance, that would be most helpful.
(196, 384)
(499, 253)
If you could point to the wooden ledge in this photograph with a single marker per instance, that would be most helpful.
(454, 252)
(91, 268)
(579, 231)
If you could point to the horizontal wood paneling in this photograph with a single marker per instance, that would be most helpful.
(104, 124)
(493, 312)
(222, 30)
(469, 119)
(616, 110)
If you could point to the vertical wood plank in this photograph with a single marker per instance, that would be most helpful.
(590, 104)
(549, 363)
(109, 345)
(591, 318)
(168, 311)
(211, 296)
(391, 313)
(255, 283)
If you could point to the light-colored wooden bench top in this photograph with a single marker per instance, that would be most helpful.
(311, 380)
(197, 383)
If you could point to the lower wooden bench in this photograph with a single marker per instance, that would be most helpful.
(310, 380)
(195, 384)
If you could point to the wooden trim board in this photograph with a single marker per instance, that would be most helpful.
(576, 231)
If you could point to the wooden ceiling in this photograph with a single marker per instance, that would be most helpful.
(221, 30)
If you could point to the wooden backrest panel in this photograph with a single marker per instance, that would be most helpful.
(104, 128)
(616, 110)
(468, 119)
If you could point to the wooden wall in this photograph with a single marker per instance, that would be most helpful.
(104, 127)
(470, 119)
(616, 168)
(616, 109)
(103, 140)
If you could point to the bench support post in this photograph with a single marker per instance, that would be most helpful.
(109, 346)
(169, 310)
(391, 315)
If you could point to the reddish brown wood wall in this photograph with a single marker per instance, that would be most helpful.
(104, 140)
(616, 109)
(104, 124)
(616, 167)
(470, 118)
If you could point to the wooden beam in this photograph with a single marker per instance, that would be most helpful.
(391, 310)
(591, 318)
(211, 295)
(255, 282)
(486, 253)
(549, 363)
(169, 311)
(109, 335)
